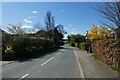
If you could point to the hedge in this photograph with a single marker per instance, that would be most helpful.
(108, 51)
(25, 47)
(72, 44)
(77, 44)
(82, 46)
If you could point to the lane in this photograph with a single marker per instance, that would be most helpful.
(47, 61)
(62, 66)
(18, 69)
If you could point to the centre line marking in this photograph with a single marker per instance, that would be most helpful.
(24, 76)
(47, 61)
(80, 68)
(59, 53)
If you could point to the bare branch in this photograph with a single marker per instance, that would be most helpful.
(111, 12)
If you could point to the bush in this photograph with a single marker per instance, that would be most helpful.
(76, 44)
(83, 46)
(75, 39)
(72, 44)
(108, 51)
(25, 47)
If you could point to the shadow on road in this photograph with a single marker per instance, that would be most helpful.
(32, 56)
(38, 55)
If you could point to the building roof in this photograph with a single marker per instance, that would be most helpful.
(42, 33)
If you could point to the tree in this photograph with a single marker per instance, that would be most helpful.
(68, 38)
(56, 37)
(97, 33)
(49, 21)
(79, 38)
(76, 39)
(16, 29)
(92, 35)
(49, 24)
(111, 12)
(61, 29)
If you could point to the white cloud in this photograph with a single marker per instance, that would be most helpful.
(27, 21)
(34, 12)
(29, 17)
(72, 32)
(36, 30)
(62, 10)
(26, 26)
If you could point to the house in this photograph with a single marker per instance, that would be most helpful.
(42, 34)
(4, 36)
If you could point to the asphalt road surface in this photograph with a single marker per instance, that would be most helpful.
(66, 62)
(59, 64)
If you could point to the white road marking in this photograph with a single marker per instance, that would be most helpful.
(59, 53)
(24, 76)
(47, 61)
(81, 71)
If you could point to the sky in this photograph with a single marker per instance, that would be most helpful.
(76, 17)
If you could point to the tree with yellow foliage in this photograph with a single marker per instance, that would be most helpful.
(97, 33)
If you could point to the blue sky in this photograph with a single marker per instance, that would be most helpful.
(76, 17)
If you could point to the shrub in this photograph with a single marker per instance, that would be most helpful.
(72, 44)
(95, 56)
(99, 33)
(8, 49)
(76, 44)
(25, 47)
(83, 46)
(108, 52)
(75, 39)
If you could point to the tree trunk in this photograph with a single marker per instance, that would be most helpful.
(117, 33)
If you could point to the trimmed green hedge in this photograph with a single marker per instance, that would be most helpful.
(82, 46)
(76, 44)
(25, 47)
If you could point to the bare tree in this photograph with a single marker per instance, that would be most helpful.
(49, 24)
(49, 21)
(61, 29)
(16, 29)
(111, 13)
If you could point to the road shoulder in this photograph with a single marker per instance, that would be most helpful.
(93, 68)
(2, 63)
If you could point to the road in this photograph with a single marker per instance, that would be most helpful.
(66, 62)
(59, 64)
